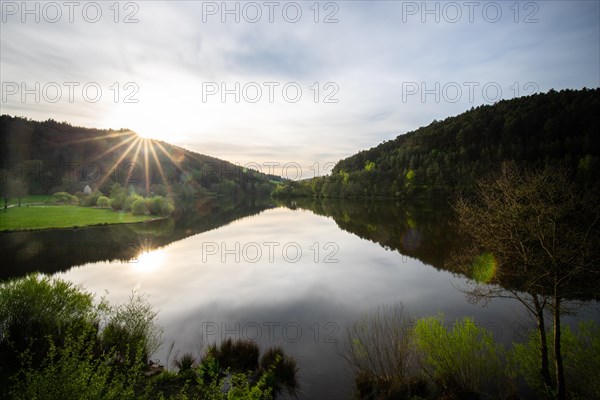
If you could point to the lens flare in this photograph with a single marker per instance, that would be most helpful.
(484, 268)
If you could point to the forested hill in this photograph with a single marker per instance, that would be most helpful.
(52, 157)
(555, 128)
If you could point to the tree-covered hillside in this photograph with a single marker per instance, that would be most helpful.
(49, 157)
(551, 129)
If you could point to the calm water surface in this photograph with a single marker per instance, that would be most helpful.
(290, 277)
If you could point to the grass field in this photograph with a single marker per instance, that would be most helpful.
(42, 217)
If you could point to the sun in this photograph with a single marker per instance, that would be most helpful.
(150, 261)
(144, 135)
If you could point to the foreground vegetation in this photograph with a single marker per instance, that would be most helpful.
(397, 356)
(532, 236)
(55, 343)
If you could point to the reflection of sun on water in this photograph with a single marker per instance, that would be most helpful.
(149, 261)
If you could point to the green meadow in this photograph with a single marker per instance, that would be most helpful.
(44, 217)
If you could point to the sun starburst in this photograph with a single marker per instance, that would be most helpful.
(132, 152)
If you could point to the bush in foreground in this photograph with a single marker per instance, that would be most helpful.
(37, 312)
(53, 337)
(463, 361)
(397, 357)
(55, 343)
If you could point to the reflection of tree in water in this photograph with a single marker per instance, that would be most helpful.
(422, 231)
(50, 251)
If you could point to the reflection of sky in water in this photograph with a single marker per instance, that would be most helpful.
(202, 293)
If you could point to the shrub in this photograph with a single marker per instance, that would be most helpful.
(239, 356)
(117, 197)
(65, 198)
(75, 371)
(55, 344)
(281, 371)
(154, 205)
(166, 206)
(103, 202)
(581, 350)
(238, 362)
(464, 361)
(132, 198)
(117, 202)
(218, 386)
(37, 308)
(158, 205)
(131, 332)
(89, 200)
(185, 364)
(139, 207)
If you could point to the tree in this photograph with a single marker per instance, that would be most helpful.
(538, 237)
(17, 188)
(4, 192)
(118, 196)
(11, 186)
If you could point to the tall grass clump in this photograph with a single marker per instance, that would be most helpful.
(379, 348)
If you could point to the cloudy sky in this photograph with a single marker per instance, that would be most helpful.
(286, 82)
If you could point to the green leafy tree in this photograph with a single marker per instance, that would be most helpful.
(118, 196)
(17, 188)
(4, 188)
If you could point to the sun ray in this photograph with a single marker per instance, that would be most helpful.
(102, 136)
(115, 147)
(146, 167)
(161, 148)
(133, 162)
(116, 164)
(159, 166)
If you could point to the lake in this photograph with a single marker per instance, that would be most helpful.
(291, 274)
